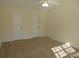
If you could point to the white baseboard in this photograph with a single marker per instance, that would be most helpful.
(33, 35)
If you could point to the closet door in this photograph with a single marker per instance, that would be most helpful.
(17, 26)
(36, 26)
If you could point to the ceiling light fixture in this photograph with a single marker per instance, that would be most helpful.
(45, 4)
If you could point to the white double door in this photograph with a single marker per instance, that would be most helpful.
(18, 26)
(36, 26)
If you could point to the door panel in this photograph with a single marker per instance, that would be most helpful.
(36, 26)
(17, 26)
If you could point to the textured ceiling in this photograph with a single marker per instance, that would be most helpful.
(32, 4)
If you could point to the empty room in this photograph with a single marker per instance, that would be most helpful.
(39, 28)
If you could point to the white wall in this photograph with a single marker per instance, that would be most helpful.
(63, 22)
(0, 25)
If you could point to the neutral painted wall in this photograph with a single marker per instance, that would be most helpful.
(7, 14)
(0, 24)
(63, 22)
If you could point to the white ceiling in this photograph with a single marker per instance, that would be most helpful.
(23, 3)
